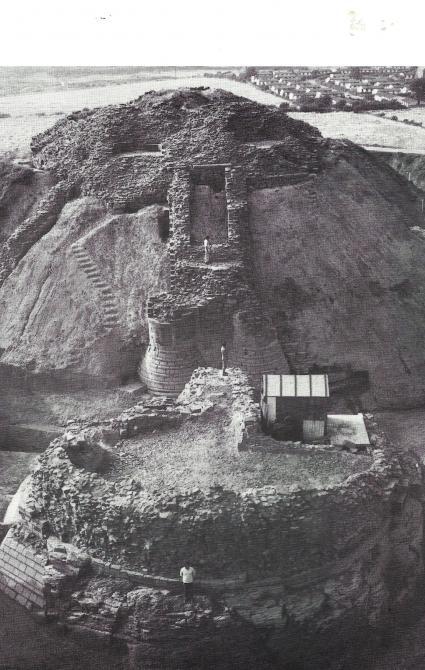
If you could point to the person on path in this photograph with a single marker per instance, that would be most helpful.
(207, 249)
(187, 573)
(223, 350)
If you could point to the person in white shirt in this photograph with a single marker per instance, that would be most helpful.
(187, 573)
(223, 350)
(207, 249)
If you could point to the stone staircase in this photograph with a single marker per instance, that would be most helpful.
(107, 299)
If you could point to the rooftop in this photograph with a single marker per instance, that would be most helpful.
(300, 386)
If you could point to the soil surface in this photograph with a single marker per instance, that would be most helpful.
(197, 454)
(57, 408)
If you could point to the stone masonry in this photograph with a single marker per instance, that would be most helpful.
(208, 303)
(22, 572)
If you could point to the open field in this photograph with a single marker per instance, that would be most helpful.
(367, 129)
(412, 114)
(33, 79)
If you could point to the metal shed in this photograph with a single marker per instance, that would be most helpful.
(295, 406)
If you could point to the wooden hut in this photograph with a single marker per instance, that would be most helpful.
(294, 407)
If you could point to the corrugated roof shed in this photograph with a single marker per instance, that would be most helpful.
(295, 386)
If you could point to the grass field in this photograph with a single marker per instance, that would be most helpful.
(368, 129)
(412, 114)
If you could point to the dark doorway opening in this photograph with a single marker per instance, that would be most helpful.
(164, 225)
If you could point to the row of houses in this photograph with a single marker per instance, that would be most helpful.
(339, 84)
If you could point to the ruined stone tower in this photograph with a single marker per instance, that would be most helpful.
(207, 304)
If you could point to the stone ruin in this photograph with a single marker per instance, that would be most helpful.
(315, 558)
(279, 560)
(208, 303)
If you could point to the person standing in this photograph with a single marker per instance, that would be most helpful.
(223, 350)
(207, 249)
(187, 573)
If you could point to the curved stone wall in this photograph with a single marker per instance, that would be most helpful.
(176, 349)
(355, 547)
(298, 563)
(171, 356)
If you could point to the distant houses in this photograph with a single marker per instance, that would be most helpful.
(348, 87)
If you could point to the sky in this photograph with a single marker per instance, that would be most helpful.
(219, 32)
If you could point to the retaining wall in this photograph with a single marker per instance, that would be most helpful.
(223, 531)
(22, 571)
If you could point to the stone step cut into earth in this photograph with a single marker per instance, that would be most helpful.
(107, 300)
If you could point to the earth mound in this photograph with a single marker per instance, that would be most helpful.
(333, 262)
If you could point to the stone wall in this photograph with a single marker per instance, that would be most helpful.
(194, 127)
(208, 214)
(226, 532)
(22, 571)
(297, 563)
(208, 304)
(317, 570)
